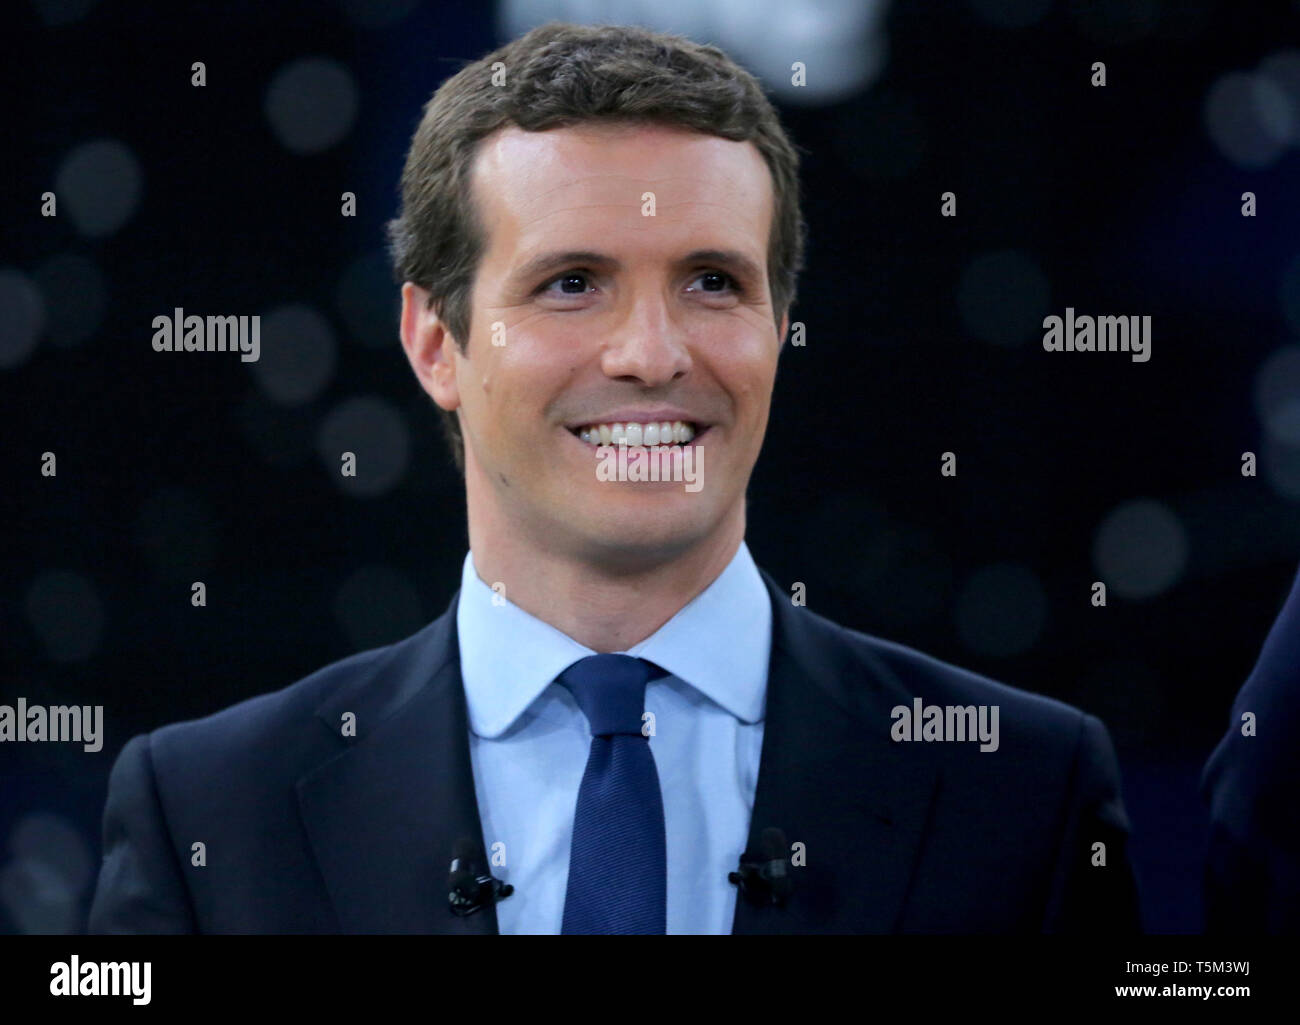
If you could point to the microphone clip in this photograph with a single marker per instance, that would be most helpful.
(764, 881)
(472, 891)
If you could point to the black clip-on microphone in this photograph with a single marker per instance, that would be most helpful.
(470, 887)
(764, 876)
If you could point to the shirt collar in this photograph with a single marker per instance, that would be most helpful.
(719, 643)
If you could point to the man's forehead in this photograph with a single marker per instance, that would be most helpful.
(536, 188)
(595, 164)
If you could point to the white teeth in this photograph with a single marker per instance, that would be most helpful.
(676, 432)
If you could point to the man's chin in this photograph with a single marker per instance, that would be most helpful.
(641, 538)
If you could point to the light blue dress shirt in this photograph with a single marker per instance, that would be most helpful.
(529, 742)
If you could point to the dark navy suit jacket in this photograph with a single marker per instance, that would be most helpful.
(1252, 786)
(306, 830)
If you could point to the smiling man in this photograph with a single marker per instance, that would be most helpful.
(620, 724)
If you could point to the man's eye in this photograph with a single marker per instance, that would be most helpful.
(718, 278)
(568, 278)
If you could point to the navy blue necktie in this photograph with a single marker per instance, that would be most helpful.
(618, 863)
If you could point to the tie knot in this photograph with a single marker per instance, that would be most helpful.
(610, 690)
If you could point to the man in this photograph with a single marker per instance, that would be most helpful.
(618, 715)
(1251, 783)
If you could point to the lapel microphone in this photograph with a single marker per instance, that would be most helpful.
(470, 886)
(764, 875)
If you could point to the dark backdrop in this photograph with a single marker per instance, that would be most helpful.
(923, 335)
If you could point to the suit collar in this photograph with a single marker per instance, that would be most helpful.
(717, 643)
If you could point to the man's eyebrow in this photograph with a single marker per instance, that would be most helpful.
(731, 259)
(544, 262)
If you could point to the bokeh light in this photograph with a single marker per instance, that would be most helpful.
(99, 185)
(66, 613)
(76, 294)
(1003, 297)
(376, 433)
(311, 104)
(298, 354)
(1140, 549)
(22, 317)
(377, 605)
(1001, 610)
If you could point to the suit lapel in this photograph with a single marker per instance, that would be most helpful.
(384, 814)
(833, 780)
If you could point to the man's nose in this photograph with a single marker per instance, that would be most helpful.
(647, 344)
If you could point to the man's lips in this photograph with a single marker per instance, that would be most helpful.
(640, 415)
(699, 429)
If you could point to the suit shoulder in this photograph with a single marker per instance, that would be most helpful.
(265, 722)
(303, 695)
(905, 673)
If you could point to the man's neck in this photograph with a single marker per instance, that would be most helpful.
(603, 610)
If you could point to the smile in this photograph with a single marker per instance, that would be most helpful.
(677, 432)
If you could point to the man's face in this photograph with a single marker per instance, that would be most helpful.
(649, 327)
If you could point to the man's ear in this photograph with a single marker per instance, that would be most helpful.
(430, 348)
(785, 326)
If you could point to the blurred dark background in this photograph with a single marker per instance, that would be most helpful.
(923, 336)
